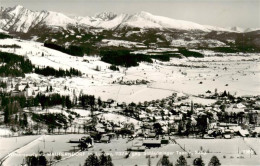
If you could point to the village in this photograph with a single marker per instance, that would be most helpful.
(185, 108)
(144, 125)
(229, 116)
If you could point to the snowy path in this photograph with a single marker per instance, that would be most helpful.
(2, 160)
(250, 147)
(151, 87)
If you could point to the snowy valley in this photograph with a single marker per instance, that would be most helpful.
(140, 88)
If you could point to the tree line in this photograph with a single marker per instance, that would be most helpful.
(127, 59)
(16, 66)
(105, 160)
(92, 160)
(71, 50)
(12, 107)
(49, 71)
(5, 36)
(123, 57)
(181, 161)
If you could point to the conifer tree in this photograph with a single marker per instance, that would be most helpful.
(214, 161)
(181, 161)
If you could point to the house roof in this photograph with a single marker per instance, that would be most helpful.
(257, 130)
(240, 105)
(100, 130)
(228, 124)
(151, 141)
(104, 138)
(244, 132)
(227, 136)
(136, 148)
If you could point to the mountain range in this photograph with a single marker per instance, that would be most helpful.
(110, 29)
(20, 19)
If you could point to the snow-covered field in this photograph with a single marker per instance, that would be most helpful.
(10, 144)
(229, 72)
(5, 132)
(118, 153)
(45, 143)
(234, 151)
(230, 152)
(225, 148)
(118, 118)
(252, 142)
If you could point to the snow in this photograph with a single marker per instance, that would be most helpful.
(24, 19)
(128, 44)
(2, 31)
(237, 151)
(199, 100)
(163, 22)
(58, 19)
(253, 143)
(5, 132)
(229, 72)
(252, 29)
(46, 143)
(242, 30)
(164, 78)
(183, 43)
(232, 149)
(118, 153)
(9, 144)
(118, 118)
(112, 23)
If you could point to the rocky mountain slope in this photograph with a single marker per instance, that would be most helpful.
(20, 19)
(135, 31)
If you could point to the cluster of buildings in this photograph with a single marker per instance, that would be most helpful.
(160, 121)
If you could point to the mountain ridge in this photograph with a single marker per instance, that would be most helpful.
(21, 19)
(108, 30)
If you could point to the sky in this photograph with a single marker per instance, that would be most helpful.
(222, 13)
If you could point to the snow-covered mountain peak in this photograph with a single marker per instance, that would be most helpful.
(17, 8)
(237, 29)
(20, 19)
(148, 20)
(105, 16)
(252, 29)
(144, 13)
(58, 19)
